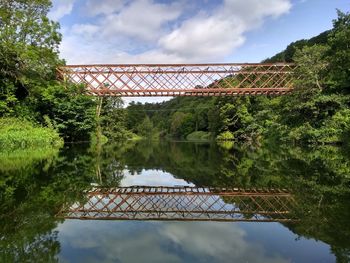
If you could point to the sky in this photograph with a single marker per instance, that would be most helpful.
(182, 31)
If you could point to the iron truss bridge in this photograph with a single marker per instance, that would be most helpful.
(181, 80)
(182, 204)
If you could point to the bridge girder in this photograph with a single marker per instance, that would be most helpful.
(139, 80)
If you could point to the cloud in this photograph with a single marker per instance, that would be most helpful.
(142, 19)
(60, 9)
(213, 36)
(98, 7)
(203, 37)
(145, 31)
(86, 30)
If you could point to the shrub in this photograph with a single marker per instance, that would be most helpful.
(225, 136)
(20, 133)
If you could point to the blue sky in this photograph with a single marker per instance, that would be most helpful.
(165, 31)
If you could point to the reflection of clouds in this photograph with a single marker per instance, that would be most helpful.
(135, 241)
(152, 178)
(217, 242)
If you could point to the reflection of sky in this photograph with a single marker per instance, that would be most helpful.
(152, 178)
(136, 241)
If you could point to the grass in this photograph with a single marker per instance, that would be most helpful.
(21, 134)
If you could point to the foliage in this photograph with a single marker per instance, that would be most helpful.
(16, 133)
(114, 119)
(28, 50)
(312, 65)
(28, 87)
(145, 128)
(225, 136)
(71, 111)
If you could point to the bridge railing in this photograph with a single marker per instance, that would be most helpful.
(181, 79)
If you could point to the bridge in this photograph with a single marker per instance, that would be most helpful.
(138, 80)
(183, 204)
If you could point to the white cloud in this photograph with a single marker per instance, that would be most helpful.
(60, 9)
(206, 37)
(139, 31)
(141, 19)
(217, 35)
(98, 7)
(86, 30)
(252, 12)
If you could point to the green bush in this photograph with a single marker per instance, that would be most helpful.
(225, 136)
(18, 133)
(72, 111)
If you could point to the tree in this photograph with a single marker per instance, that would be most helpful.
(28, 50)
(312, 66)
(113, 118)
(339, 43)
(145, 128)
(182, 124)
(70, 109)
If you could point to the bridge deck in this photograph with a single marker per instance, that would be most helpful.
(182, 80)
(183, 203)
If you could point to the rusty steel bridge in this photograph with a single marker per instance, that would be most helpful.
(139, 80)
(183, 204)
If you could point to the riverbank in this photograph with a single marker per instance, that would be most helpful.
(22, 134)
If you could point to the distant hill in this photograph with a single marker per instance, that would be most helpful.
(287, 54)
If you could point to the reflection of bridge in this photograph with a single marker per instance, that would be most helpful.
(183, 203)
(182, 80)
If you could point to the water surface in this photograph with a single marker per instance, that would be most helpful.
(34, 190)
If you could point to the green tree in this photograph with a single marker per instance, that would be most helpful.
(71, 111)
(182, 124)
(145, 128)
(339, 54)
(28, 50)
(113, 118)
(312, 66)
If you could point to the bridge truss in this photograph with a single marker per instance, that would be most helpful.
(181, 80)
(182, 204)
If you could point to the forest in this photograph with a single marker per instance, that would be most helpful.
(37, 110)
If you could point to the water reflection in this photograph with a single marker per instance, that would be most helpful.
(151, 177)
(32, 194)
(183, 204)
(136, 241)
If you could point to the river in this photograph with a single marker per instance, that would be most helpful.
(310, 186)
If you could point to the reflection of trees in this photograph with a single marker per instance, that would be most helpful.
(318, 177)
(25, 222)
(31, 195)
(27, 234)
